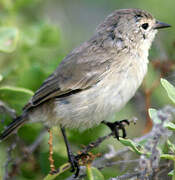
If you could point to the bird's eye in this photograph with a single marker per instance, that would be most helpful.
(145, 26)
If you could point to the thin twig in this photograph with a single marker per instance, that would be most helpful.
(109, 164)
(4, 108)
(51, 160)
(16, 163)
(95, 144)
(127, 176)
(9, 159)
(148, 93)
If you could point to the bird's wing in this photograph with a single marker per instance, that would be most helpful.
(83, 68)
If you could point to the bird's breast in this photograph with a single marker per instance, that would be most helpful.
(97, 103)
(119, 86)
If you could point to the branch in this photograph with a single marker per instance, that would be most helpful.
(128, 175)
(4, 108)
(27, 151)
(150, 166)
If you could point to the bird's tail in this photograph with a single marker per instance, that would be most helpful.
(14, 125)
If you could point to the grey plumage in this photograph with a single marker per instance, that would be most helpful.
(98, 78)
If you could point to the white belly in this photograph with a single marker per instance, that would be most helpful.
(89, 107)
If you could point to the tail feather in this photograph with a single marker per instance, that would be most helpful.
(14, 125)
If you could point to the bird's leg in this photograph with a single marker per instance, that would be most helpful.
(72, 158)
(116, 126)
(52, 166)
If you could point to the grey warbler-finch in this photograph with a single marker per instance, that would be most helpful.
(96, 79)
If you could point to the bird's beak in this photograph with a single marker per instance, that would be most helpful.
(160, 25)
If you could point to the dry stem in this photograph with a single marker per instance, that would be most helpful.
(51, 160)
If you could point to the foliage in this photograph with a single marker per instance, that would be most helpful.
(169, 88)
(31, 47)
(93, 173)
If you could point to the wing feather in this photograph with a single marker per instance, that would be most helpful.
(81, 69)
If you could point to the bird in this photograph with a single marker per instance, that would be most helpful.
(96, 79)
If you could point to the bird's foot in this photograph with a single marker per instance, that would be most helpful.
(74, 161)
(116, 126)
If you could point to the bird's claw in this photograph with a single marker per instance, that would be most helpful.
(74, 165)
(116, 126)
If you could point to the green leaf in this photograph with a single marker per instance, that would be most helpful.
(51, 177)
(171, 173)
(8, 39)
(31, 129)
(16, 97)
(134, 146)
(167, 156)
(17, 89)
(170, 126)
(93, 173)
(153, 116)
(171, 146)
(27, 77)
(170, 89)
(62, 169)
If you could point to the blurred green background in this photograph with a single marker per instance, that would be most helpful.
(35, 36)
